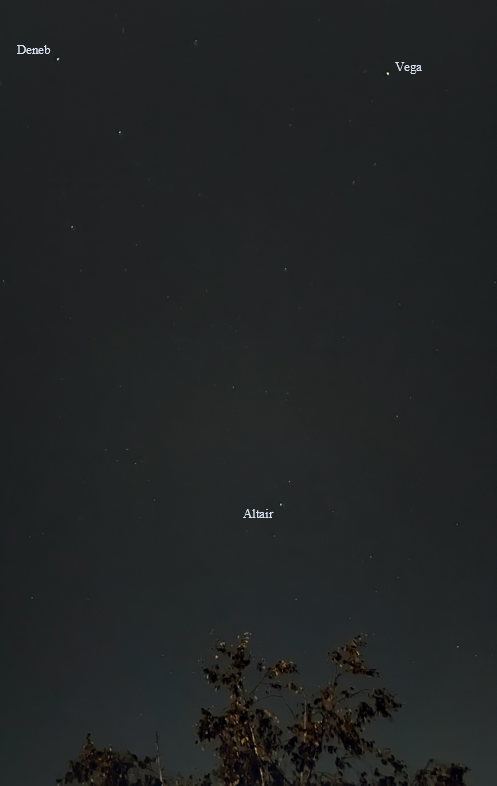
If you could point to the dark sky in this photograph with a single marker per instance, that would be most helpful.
(245, 263)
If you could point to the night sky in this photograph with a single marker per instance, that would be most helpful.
(245, 263)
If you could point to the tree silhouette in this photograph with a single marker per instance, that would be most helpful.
(109, 768)
(252, 748)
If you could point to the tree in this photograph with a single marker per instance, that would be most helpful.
(252, 748)
(109, 768)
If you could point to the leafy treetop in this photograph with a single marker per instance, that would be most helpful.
(252, 748)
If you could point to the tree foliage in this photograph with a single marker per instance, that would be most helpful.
(329, 728)
(109, 768)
